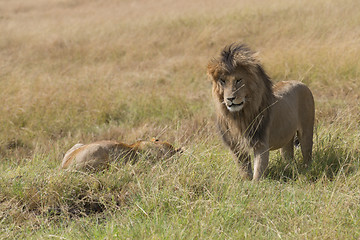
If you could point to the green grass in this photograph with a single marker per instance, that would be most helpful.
(84, 71)
(196, 195)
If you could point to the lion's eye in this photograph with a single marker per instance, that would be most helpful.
(238, 81)
(222, 82)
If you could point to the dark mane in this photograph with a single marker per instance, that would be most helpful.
(235, 55)
(252, 122)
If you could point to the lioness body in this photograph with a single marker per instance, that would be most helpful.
(252, 114)
(98, 155)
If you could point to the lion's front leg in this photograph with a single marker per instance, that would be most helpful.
(261, 160)
(243, 161)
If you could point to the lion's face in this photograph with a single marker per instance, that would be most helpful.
(234, 89)
(240, 84)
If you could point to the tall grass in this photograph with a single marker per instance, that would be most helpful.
(80, 71)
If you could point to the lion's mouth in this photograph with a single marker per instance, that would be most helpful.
(234, 107)
(233, 104)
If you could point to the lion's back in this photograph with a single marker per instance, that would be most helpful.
(86, 156)
(296, 94)
(293, 110)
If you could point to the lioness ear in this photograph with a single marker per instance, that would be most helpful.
(179, 150)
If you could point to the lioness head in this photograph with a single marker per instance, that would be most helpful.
(237, 78)
(157, 148)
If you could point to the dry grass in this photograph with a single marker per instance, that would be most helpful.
(80, 70)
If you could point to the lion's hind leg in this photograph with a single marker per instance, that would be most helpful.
(287, 151)
(306, 143)
(306, 120)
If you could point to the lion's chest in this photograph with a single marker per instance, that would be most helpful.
(244, 129)
(234, 135)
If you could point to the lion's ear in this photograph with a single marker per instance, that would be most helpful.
(255, 55)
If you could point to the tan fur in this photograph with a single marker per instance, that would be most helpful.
(97, 155)
(252, 114)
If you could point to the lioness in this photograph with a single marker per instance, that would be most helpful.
(97, 155)
(254, 114)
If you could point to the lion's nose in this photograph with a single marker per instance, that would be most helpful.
(230, 99)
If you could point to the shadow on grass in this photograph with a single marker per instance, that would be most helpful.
(330, 158)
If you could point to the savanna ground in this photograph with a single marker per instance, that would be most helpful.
(80, 71)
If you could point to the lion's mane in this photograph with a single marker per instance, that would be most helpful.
(252, 120)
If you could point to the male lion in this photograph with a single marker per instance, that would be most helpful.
(97, 155)
(252, 113)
